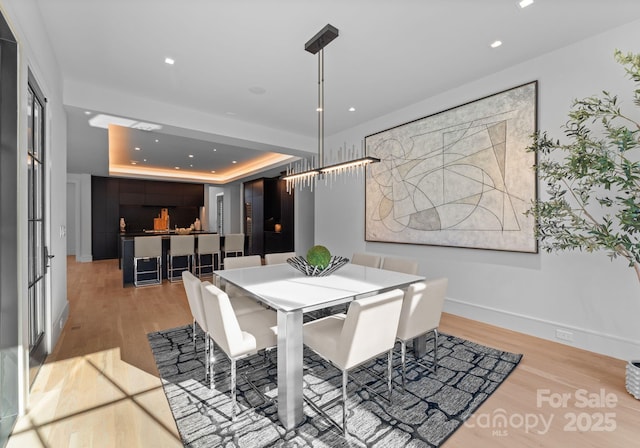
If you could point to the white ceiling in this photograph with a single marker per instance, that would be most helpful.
(389, 54)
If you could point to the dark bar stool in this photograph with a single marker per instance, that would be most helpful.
(145, 250)
(207, 245)
(180, 246)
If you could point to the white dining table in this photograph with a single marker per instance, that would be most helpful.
(291, 294)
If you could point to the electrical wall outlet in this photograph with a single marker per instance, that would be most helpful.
(564, 335)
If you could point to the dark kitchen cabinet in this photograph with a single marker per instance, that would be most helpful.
(268, 216)
(162, 194)
(192, 195)
(286, 218)
(105, 217)
(131, 191)
(254, 216)
(138, 201)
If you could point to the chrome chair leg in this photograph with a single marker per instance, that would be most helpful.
(207, 355)
(403, 356)
(435, 350)
(345, 379)
(210, 360)
(233, 389)
(389, 370)
(234, 372)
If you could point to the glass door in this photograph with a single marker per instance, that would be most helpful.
(37, 249)
(10, 349)
(220, 213)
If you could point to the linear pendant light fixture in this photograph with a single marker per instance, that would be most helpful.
(305, 173)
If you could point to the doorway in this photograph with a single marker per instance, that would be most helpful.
(220, 214)
(72, 246)
(38, 256)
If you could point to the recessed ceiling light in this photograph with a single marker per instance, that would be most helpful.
(234, 161)
(104, 120)
(134, 163)
(191, 165)
(191, 156)
(525, 3)
(137, 148)
(177, 167)
(213, 171)
(144, 160)
(257, 90)
(145, 126)
(352, 109)
(496, 44)
(86, 112)
(214, 149)
(169, 61)
(157, 140)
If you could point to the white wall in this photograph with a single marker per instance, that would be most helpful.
(82, 205)
(36, 54)
(303, 220)
(233, 209)
(210, 200)
(597, 300)
(72, 214)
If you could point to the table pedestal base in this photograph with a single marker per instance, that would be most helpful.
(420, 346)
(290, 368)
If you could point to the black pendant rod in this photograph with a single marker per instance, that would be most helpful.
(316, 45)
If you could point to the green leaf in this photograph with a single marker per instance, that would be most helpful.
(593, 176)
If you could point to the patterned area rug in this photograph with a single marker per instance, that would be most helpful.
(431, 409)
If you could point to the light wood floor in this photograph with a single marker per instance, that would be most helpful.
(99, 387)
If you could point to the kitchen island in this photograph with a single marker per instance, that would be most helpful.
(127, 246)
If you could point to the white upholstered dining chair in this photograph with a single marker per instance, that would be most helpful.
(405, 265)
(191, 285)
(233, 244)
(278, 258)
(421, 311)
(246, 261)
(193, 289)
(240, 303)
(367, 331)
(370, 260)
(238, 336)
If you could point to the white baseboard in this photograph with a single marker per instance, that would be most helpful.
(57, 326)
(606, 344)
(84, 258)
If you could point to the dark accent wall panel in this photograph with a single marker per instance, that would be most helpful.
(105, 217)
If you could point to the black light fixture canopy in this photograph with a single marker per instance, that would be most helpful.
(321, 39)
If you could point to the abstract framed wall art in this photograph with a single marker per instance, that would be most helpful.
(462, 177)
